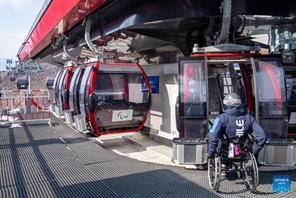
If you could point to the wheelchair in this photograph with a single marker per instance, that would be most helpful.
(243, 162)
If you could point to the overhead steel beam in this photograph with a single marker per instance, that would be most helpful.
(223, 37)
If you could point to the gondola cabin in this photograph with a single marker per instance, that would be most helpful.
(63, 92)
(22, 83)
(115, 97)
(74, 90)
(61, 86)
(12, 78)
(211, 73)
(49, 82)
(55, 86)
(66, 85)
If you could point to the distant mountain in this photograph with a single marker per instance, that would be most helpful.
(38, 79)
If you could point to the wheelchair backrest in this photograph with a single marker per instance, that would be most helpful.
(235, 147)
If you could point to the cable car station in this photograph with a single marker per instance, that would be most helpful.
(158, 71)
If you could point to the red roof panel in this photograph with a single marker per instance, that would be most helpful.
(60, 16)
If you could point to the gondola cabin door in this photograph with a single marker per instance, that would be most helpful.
(193, 97)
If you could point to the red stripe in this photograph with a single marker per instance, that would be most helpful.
(250, 102)
(186, 77)
(275, 84)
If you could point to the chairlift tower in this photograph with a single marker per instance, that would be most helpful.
(29, 67)
(8, 62)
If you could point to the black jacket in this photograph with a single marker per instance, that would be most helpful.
(236, 122)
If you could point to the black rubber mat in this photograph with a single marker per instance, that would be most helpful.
(41, 161)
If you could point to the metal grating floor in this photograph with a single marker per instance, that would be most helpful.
(39, 161)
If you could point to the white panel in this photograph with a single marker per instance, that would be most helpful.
(162, 116)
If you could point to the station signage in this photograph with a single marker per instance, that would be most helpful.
(154, 84)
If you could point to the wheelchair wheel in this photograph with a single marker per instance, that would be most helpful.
(214, 172)
(251, 172)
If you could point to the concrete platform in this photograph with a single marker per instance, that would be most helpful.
(138, 146)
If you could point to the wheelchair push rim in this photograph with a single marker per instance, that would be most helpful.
(214, 172)
(251, 172)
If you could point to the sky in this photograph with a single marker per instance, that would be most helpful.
(16, 20)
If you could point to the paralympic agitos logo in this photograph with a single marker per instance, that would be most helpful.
(122, 116)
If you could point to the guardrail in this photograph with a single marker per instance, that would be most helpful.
(24, 106)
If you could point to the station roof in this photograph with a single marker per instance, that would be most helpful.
(154, 31)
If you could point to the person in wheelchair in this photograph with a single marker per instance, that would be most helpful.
(235, 139)
(235, 123)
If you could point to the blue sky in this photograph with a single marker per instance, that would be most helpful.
(16, 19)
